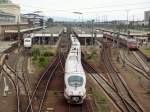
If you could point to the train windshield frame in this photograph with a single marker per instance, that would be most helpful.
(27, 40)
(75, 81)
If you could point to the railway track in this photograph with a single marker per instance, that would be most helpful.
(41, 88)
(75, 108)
(38, 97)
(17, 82)
(85, 107)
(104, 84)
(108, 89)
(142, 60)
(21, 69)
(127, 99)
(139, 69)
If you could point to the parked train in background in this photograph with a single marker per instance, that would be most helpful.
(127, 41)
(75, 79)
(27, 41)
(65, 30)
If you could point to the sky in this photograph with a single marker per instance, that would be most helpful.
(100, 10)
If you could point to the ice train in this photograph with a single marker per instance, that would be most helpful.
(75, 79)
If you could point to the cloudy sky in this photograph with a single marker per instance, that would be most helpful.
(99, 10)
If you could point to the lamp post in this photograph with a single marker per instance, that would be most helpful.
(18, 28)
(92, 31)
(16, 77)
(127, 11)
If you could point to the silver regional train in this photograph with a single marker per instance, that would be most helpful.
(129, 42)
(75, 79)
(27, 41)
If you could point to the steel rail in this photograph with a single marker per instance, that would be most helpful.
(123, 91)
(47, 84)
(134, 66)
(39, 82)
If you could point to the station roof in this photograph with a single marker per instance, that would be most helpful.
(143, 34)
(51, 30)
(90, 35)
(44, 35)
(23, 30)
(12, 24)
(142, 38)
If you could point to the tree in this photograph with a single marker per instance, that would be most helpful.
(50, 21)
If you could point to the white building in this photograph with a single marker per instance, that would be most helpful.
(12, 9)
(34, 18)
(6, 18)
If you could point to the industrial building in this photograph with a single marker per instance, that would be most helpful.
(147, 17)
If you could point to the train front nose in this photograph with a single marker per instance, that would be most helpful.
(76, 99)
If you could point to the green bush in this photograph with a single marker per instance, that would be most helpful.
(36, 52)
(34, 58)
(48, 54)
(43, 62)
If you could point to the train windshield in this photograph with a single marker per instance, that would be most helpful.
(75, 81)
(27, 40)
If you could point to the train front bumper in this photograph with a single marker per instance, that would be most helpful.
(75, 99)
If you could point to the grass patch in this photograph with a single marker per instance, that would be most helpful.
(41, 57)
(91, 55)
(101, 101)
(146, 51)
(104, 108)
(98, 96)
(42, 62)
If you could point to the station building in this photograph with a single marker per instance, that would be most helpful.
(6, 17)
(12, 21)
(11, 9)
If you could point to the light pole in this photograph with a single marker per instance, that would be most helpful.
(127, 11)
(18, 28)
(16, 77)
(92, 31)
